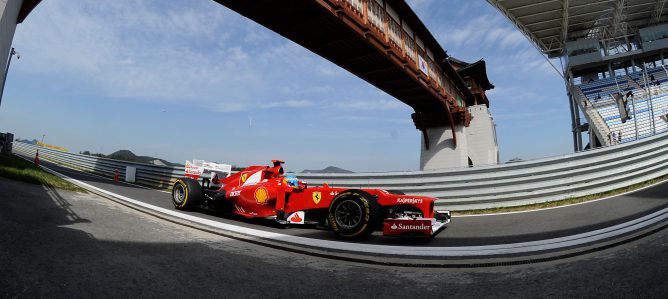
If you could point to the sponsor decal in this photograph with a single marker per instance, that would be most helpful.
(235, 193)
(244, 177)
(333, 193)
(332, 222)
(296, 218)
(239, 209)
(317, 196)
(58, 148)
(261, 195)
(409, 200)
(402, 226)
(193, 169)
(368, 210)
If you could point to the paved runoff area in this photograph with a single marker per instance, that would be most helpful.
(57, 243)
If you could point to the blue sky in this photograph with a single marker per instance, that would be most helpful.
(191, 79)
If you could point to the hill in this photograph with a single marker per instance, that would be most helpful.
(329, 169)
(126, 155)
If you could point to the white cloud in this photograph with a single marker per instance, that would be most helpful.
(289, 104)
(490, 31)
(420, 6)
(195, 52)
(391, 104)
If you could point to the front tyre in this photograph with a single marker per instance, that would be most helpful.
(186, 194)
(354, 215)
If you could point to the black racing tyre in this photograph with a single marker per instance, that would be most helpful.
(186, 194)
(354, 215)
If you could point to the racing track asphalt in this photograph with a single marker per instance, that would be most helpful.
(463, 231)
(60, 244)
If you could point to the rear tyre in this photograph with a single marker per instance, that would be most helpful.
(186, 194)
(354, 215)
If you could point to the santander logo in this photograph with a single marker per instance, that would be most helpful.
(410, 226)
(296, 218)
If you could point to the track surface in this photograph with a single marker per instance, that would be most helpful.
(463, 231)
(60, 244)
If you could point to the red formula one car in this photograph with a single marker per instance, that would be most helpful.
(265, 192)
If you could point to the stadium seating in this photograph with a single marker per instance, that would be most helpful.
(648, 112)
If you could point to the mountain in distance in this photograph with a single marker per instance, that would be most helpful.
(328, 169)
(515, 160)
(126, 155)
(33, 142)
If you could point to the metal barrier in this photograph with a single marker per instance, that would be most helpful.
(159, 177)
(521, 183)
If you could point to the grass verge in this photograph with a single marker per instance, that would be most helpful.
(15, 168)
(564, 202)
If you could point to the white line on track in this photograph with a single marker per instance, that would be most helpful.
(403, 251)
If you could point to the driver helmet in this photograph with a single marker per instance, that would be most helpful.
(292, 181)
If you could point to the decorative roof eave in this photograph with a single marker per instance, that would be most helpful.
(477, 70)
(457, 62)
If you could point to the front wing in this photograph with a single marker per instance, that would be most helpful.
(418, 227)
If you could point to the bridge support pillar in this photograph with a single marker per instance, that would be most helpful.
(9, 11)
(442, 152)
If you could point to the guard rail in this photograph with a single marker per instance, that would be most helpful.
(480, 187)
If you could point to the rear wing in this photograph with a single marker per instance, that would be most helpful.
(210, 170)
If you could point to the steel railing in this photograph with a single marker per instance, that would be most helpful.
(521, 183)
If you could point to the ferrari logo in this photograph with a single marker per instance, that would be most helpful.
(317, 196)
(244, 177)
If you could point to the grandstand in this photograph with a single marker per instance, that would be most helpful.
(647, 108)
(614, 67)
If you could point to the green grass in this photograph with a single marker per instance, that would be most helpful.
(15, 168)
(568, 201)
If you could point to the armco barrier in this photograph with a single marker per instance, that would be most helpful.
(159, 177)
(521, 183)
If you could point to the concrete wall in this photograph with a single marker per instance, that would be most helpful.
(442, 153)
(10, 11)
(476, 142)
(481, 137)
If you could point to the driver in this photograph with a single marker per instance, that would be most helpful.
(291, 181)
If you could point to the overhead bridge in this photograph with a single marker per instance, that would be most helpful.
(382, 42)
(386, 44)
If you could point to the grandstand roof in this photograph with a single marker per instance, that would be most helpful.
(550, 23)
(26, 7)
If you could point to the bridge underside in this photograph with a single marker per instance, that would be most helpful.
(330, 32)
(382, 42)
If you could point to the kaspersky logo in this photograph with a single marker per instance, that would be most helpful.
(409, 200)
